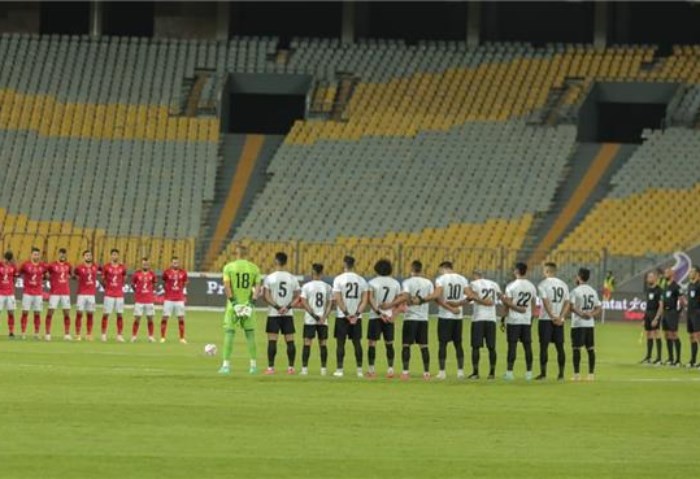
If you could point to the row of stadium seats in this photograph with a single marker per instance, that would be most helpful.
(375, 186)
(51, 235)
(501, 87)
(652, 206)
(48, 117)
(126, 188)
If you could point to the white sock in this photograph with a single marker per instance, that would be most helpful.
(253, 363)
(404, 372)
(460, 371)
(227, 363)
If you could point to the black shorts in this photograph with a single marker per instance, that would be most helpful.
(519, 332)
(484, 332)
(277, 324)
(343, 329)
(450, 330)
(414, 332)
(583, 337)
(313, 330)
(377, 329)
(670, 321)
(694, 322)
(647, 323)
(548, 332)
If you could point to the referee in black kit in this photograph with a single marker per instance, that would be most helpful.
(652, 317)
(692, 304)
(669, 323)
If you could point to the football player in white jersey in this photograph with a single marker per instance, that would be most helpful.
(483, 293)
(382, 290)
(350, 293)
(416, 291)
(280, 290)
(585, 307)
(450, 287)
(554, 294)
(316, 297)
(519, 303)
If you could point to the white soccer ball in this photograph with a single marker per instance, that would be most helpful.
(210, 349)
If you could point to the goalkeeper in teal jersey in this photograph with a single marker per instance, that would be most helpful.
(241, 285)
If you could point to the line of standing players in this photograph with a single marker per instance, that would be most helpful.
(111, 276)
(385, 298)
(665, 301)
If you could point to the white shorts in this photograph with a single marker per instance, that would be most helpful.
(32, 302)
(86, 302)
(56, 300)
(7, 303)
(113, 304)
(173, 308)
(144, 308)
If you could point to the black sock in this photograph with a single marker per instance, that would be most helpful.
(425, 354)
(475, 360)
(693, 352)
(271, 352)
(577, 360)
(390, 354)
(561, 358)
(528, 356)
(442, 355)
(678, 349)
(650, 348)
(459, 352)
(340, 353)
(324, 355)
(371, 355)
(291, 353)
(492, 361)
(406, 357)
(591, 361)
(512, 354)
(544, 358)
(305, 354)
(358, 352)
(669, 347)
(658, 349)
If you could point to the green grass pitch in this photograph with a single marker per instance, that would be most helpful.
(86, 410)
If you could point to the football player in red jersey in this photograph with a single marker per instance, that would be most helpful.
(32, 272)
(143, 282)
(175, 280)
(59, 276)
(8, 273)
(113, 278)
(86, 274)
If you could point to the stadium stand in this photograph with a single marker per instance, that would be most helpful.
(458, 142)
(652, 206)
(100, 159)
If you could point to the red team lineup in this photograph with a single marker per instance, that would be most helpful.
(112, 276)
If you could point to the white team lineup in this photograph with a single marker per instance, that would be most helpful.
(392, 307)
(385, 301)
